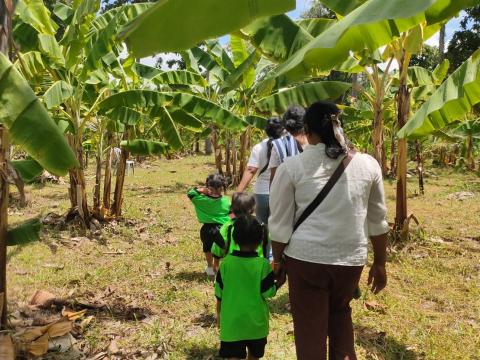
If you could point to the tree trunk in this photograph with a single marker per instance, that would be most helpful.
(441, 43)
(378, 139)
(218, 152)
(393, 155)
(208, 146)
(244, 141)
(3, 225)
(197, 146)
(403, 110)
(418, 151)
(85, 166)
(228, 156)
(122, 167)
(234, 158)
(98, 181)
(107, 183)
(6, 11)
(470, 157)
(355, 85)
(77, 189)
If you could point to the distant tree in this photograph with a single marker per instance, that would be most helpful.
(467, 40)
(429, 58)
(110, 4)
(174, 64)
(318, 10)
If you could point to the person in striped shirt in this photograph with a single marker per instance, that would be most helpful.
(291, 143)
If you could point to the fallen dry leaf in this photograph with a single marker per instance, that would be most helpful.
(72, 315)
(42, 299)
(375, 306)
(113, 347)
(54, 266)
(39, 346)
(7, 351)
(62, 343)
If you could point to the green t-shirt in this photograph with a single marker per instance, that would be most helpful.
(219, 249)
(210, 210)
(244, 282)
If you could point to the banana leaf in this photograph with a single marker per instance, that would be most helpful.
(145, 71)
(370, 26)
(244, 62)
(179, 77)
(175, 25)
(303, 95)
(242, 75)
(192, 104)
(24, 233)
(168, 128)
(57, 94)
(450, 102)
(29, 124)
(441, 71)
(257, 121)
(145, 147)
(316, 26)
(342, 7)
(28, 169)
(31, 66)
(188, 121)
(35, 14)
(125, 115)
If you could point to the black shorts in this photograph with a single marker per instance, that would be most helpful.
(208, 232)
(238, 349)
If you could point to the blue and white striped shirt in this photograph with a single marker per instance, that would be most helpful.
(284, 147)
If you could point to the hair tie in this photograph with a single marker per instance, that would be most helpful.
(338, 131)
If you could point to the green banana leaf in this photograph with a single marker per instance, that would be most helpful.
(175, 25)
(145, 71)
(179, 77)
(31, 66)
(370, 26)
(50, 47)
(257, 121)
(244, 62)
(24, 233)
(57, 94)
(168, 128)
(125, 115)
(28, 169)
(243, 75)
(303, 95)
(63, 11)
(441, 71)
(188, 121)
(192, 104)
(35, 14)
(277, 37)
(29, 124)
(316, 26)
(450, 102)
(145, 147)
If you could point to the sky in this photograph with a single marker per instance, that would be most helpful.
(303, 5)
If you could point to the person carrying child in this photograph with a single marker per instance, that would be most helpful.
(243, 283)
(213, 210)
(242, 204)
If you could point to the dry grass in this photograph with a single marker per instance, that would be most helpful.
(432, 304)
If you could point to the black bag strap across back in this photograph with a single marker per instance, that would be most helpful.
(269, 155)
(326, 189)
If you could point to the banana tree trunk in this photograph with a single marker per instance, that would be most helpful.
(228, 156)
(378, 139)
(3, 225)
(122, 166)
(244, 141)
(6, 10)
(418, 151)
(208, 146)
(197, 146)
(98, 181)
(470, 157)
(234, 158)
(77, 189)
(393, 155)
(403, 110)
(218, 152)
(107, 182)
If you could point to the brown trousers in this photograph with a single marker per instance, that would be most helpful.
(320, 298)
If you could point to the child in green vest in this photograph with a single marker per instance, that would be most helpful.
(213, 210)
(242, 204)
(243, 283)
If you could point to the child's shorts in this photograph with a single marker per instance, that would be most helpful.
(238, 349)
(208, 233)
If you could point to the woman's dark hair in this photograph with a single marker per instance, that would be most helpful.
(248, 231)
(274, 128)
(216, 181)
(293, 119)
(242, 204)
(318, 120)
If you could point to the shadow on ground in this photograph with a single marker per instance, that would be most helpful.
(279, 304)
(190, 276)
(201, 352)
(382, 346)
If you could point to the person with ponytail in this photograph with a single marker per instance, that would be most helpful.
(325, 203)
(258, 164)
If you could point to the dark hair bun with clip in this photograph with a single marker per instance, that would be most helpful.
(274, 128)
(293, 119)
(216, 181)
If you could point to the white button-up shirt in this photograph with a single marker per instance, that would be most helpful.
(337, 232)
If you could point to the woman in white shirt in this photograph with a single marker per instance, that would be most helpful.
(324, 257)
(258, 163)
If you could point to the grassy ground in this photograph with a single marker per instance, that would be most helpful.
(153, 263)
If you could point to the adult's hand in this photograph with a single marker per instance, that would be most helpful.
(280, 272)
(377, 277)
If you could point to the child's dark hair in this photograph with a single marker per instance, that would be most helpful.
(318, 120)
(274, 128)
(242, 204)
(293, 119)
(248, 231)
(216, 181)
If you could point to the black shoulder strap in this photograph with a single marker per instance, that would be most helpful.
(299, 146)
(229, 238)
(269, 155)
(325, 191)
